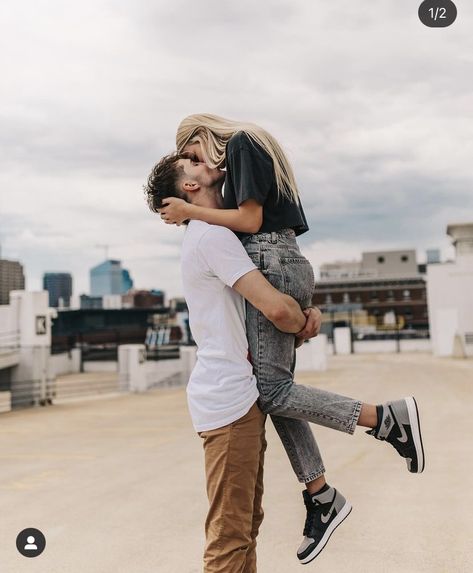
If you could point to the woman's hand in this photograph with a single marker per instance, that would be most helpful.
(175, 211)
(312, 325)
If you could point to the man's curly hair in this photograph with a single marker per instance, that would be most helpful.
(163, 182)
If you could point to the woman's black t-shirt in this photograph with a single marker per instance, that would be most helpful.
(250, 175)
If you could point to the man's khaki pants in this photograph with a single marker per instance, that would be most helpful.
(234, 458)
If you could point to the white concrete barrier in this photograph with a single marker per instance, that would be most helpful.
(342, 338)
(9, 330)
(132, 367)
(188, 359)
(31, 383)
(5, 401)
(312, 355)
(444, 342)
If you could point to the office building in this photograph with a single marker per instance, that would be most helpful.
(11, 278)
(59, 287)
(109, 278)
(90, 302)
(143, 299)
(387, 285)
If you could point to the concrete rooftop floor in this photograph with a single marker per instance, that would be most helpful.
(117, 484)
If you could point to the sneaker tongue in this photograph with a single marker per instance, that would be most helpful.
(387, 423)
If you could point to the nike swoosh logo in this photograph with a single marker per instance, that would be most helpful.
(326, 516)
(403, 439)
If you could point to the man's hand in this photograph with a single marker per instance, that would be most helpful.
(312, 325)
(175, 211)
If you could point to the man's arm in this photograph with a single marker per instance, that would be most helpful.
(225, 256)
(279, 308)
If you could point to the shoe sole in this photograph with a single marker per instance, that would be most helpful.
(414, 420)
(344, 513)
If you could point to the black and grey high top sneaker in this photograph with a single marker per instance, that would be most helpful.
(398, 424)
(325, 511)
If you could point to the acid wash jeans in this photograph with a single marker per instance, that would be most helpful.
(291, 406)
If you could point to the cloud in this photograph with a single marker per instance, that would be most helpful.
(373, 108)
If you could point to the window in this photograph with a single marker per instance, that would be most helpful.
(404, 258)
(408, 315)
(346, 297)
(390, 295)
(380, 259)
(328, 299)
(406, 294)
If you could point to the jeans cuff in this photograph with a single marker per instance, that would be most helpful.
(354, 418)
(312, 476)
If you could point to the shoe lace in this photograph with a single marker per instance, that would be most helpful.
(311, 517)
(309, 524)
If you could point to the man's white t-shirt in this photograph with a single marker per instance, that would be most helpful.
(222, 387)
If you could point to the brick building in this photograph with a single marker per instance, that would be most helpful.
(387, 285)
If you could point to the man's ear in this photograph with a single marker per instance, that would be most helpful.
(190, 186)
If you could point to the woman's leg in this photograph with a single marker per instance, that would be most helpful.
(273, 359)
(273, 351)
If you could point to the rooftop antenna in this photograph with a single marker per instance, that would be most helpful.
(105, 247)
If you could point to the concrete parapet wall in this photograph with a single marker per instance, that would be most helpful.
(9, 329)
(100, 366)
(65, 363)
(5, 401)
(390, 346)
(138, 374)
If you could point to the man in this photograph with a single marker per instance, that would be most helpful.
(211, 252)
(217, 273)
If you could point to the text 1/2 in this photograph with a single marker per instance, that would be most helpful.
(435, 14)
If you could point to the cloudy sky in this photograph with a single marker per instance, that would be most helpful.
(374, 109)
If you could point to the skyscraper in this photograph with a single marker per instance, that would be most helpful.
(59, 286)
(11, 278)
(109, 278)
(127, 281)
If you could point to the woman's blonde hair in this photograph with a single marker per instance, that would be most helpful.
(213, 133)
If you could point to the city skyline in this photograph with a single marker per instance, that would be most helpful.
(422, 259)
(379, 131)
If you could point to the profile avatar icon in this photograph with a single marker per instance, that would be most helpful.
(31, 544)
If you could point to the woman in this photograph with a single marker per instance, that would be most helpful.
(262, 206)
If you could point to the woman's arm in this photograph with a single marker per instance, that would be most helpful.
(248, 218)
